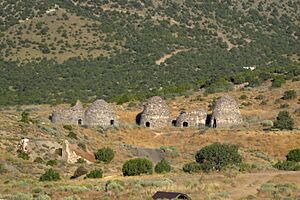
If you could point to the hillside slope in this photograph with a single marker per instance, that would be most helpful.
(260, 148)
(127, 47)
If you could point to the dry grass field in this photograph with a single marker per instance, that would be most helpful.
(259, 146)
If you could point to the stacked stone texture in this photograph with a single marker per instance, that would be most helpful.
(70, 116)
(100, 113)
(156, 113)
(196, 118)
(226, 113)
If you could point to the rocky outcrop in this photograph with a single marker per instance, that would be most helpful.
(71, 154)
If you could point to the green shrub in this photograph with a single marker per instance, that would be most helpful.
(68, 127)
(50, 175)
(290, 94)
(192, 167)
(293, 155)
(278, 81)
(51, 163)
(25, 117)
(137, 166)
(243, 97)
(82, 146)
(216, 156)
(2, 169)
(38, 160)
(105, 155)
(287, 165)
(97, 173)
(162, 167)
(284, 121)
(80, 171)
(72, 135)
(23, 155)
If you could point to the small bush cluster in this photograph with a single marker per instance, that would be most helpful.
(25, 117)
(137, 166)
(2, 169)
(38, 160)
(23, 155)
(97, 173)
(72, 135)
(287, 165)
(192, 167)
(105, 155)
(50, 175)
(162, 167)
(291, 163)
(68, 127)
(290, 94)
(284, 121)
(293, 155)
(51, 163)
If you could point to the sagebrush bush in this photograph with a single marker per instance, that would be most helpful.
(293, 155)
(2, 169)
(97, 173)
(50, 175)
(284, 121)
(137, 166)
(80, 171)
(20, 196)
(105, 155)
(287, 165)
(216, 156)
(38, 160)
(68, 127)
(115, 185)
(162, 167)
(51, 163)
(25, 117)
(72, 135)
(289, 94)
(43, 197)
(267, 123)
(23, 155)
(192, 167)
